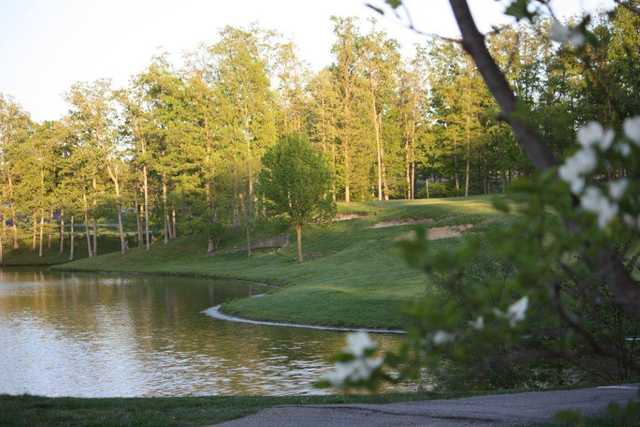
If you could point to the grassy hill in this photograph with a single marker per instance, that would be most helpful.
(353, 274)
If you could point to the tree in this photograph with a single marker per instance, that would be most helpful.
(296, 181)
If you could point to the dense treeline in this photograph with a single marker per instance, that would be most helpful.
(179, 150)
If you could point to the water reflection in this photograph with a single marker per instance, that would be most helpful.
(101, 335)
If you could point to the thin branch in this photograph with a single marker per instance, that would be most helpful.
(474, 43)
(575, 324)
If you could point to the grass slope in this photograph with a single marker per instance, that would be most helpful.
(352, 276)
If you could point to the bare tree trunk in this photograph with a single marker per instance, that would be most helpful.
(146, 207)
(426, 184)
(61, 250)
(40, 248)
(50, 229)
(86, 226)
(174, 232)
(71, 240)
(94, 221)
(165, 215)
(113, 174)
(468, 165)
(34, 238)
(299, 241)
(14, 220)
(374, 112)
(138, 222)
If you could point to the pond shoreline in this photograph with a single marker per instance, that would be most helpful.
(217, 312)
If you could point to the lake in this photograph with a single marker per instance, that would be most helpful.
(101, 335)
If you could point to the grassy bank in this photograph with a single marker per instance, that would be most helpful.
(158, 411)
(353, 274)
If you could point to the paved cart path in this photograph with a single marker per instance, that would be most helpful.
(517, 409)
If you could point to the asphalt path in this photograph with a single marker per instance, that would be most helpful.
(518, 409)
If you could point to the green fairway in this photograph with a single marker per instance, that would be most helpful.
(353, 274)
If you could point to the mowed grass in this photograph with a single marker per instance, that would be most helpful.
(353, 275)
(36, 411)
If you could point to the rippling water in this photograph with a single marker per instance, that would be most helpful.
(90, 335)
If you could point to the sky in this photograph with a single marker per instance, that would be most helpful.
(47, 45)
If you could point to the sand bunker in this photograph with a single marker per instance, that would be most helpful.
(437, 233)
(398, 222)
(348, 217)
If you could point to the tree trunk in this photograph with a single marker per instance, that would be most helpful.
(71, 240)
(468, 165)
(34, 238)
(50, 229)
(94, 221)
(165, 215)
(86, 226)
(61, 250)
(174, 232)
(40, 248)
(95, 236)
(376, 130)
(299, 241)
(146, 207)
(14, 221)
(116, 185)
(138, 221)
(426, 184)
(123, 244)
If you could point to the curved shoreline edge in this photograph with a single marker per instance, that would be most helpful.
(216, 313)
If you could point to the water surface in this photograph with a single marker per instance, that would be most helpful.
(98, 335)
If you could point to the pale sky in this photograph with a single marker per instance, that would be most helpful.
(46, 45)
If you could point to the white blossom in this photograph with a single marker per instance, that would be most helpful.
(477, 324)
(517, 311)
(594, 134)
(442, 337)
(630, 220)
(563, 34)
(617, 188)
(581, 163)
(594, 201)
(361, 367)
(623, 149)
(632, 129)
(358, 343)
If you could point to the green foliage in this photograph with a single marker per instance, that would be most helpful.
(296, 181)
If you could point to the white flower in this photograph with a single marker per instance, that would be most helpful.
(632, 129)
(623, 149)
(358, 343)
(442, 337)
(361, 367)
(356, 370)
(630, 220)
(594, 201)
(477, 324)
(563, 34)
(517, 311)
(617, 188)
(581, 163)
(594, 134)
